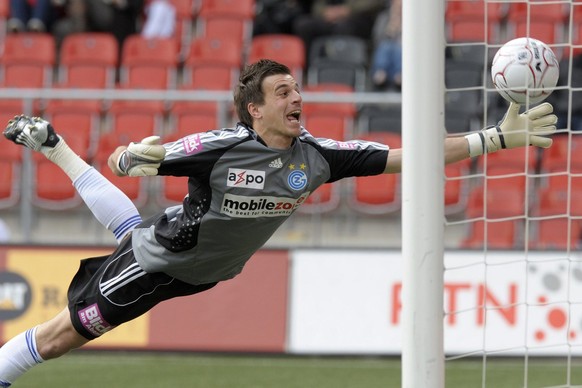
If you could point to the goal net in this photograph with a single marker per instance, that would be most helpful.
(514, 290)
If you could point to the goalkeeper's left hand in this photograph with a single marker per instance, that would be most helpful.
(138, 159)
(516, 130)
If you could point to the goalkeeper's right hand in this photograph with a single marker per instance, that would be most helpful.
(138, 159)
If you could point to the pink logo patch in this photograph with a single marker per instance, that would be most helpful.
(93, 321)
(192, 144)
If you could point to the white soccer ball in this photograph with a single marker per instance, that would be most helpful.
(525, 70)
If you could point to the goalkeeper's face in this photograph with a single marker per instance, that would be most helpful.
(278, 119)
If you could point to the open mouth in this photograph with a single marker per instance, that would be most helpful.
(294, 116)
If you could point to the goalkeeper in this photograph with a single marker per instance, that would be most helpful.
(244, 182)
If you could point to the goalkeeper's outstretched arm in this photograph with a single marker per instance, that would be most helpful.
(515, 130)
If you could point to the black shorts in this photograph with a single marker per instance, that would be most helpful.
(110, 290)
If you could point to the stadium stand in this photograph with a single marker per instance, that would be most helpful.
(544, 21)
(148, 63)
(283, 48)
(319, 114)
(378, 194)
(226, 19)
(185, 11)
(561, 233)
(212, 63)
(375, 118)
(339, 59)
(10, 172)
(88, 60)
(470, 21)
(493, 235)
(27, 62)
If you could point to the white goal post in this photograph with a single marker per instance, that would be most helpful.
(423, 193)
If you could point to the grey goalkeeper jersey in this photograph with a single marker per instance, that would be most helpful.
(239, 192)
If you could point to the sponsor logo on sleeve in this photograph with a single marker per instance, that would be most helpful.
(342, 145)
(192, 144)
(249, 179)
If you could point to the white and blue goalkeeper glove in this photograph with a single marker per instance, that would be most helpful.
(516, 130)
(143, 158)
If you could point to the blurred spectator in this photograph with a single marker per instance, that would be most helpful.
(32, 15)
(119, 17)
(386, 66)
(160, 19)
(277, 17)
(338, 17)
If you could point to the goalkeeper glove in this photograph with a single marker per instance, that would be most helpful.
(141, 159)
(516, 130)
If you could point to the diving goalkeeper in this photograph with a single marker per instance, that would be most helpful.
(237, 197)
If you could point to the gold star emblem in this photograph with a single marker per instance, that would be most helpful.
(291, 167)
(302, 166)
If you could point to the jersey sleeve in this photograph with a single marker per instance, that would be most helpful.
(194, 155)
(353, 158)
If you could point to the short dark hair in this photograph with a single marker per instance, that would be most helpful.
(249, 88)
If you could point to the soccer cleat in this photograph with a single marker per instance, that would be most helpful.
(31, 132)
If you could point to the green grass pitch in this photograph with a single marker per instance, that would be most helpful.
(159, 369)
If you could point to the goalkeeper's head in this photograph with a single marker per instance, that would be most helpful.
(249, 89)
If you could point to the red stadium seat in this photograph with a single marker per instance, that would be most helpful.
(472, 21)
(543, 21)
(212, 64)
(148, 63)
(237, 8)
(565, 154)
(283, 48)
(184, 121)
(174, 189)
(88, 60)
(517, 160)
(226, 19)
(556, 233)
(220, 27)
(345, 109)
(493, 235)
(132, 125)
(331, 120)
(378, 194)
(27, 60)
(560, 195)
(499, 198)
(326, 126)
